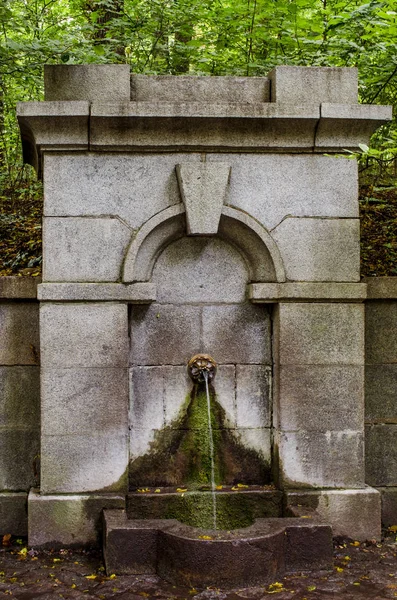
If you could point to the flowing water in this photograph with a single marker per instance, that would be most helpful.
(211, 439)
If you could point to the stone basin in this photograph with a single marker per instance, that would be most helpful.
(185, 555)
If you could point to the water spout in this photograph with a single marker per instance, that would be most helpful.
(202, 368)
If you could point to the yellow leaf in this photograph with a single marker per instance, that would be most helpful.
(157, 491)
(112, 576)
(356, 583)
(355, 544)
(219, 487)
(93, 576)
(339, 569)
(23, 552)
(311, 588)
(347, 558)
(181, 490)
(143, 490)
(306, 516)
(205, 537)
(242, 486)
(393, 528)
(73, 586)
(56, 560)
(276, 586)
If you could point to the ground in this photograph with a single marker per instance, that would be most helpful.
(361, 571)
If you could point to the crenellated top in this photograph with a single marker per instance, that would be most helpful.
(104, 108)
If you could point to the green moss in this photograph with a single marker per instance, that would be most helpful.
(180, 453)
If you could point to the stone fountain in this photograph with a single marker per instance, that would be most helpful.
(187, 218)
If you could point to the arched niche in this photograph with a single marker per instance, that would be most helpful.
(237, 228)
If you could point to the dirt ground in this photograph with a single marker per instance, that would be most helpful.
(361, 571)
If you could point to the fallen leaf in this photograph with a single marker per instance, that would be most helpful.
(93, 576)
(339, 569)
(355, 544)
(112, 576)
(242, 486)
(205, 537)
(311, 588)
(6, 539)
(23, 552)
(181, 490)
(157, 491)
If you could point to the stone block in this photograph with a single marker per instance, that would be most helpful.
(316, 249)
(134, 187)
(16, 288)
(13, 513)
(84, 249)
(19, 396)
(300, 85)
(381, 454)
(135, 293)
(382, 288)
(125, 553)
(140, 440)
(271, 186)
(225, 390)
(147, 398)
(73, 520)
(380, 393)
(380, 325)
(84, 401)
(19, 333)
(19, 452)
(168, 88)
(110, 83)
(257, 439)
(389, 506)
(253, 396)
(352, 513)
(333, 459)
(200, 269)
(311, 551)
(164, 334)
(159, 394)
(316, 334)
(237, 334)
(320, 397)
(84, 335)
(83, 463)
(177, 386)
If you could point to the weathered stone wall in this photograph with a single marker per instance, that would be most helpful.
(19, 400)
(381, 392)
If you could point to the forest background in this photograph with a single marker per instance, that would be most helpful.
(197, 37)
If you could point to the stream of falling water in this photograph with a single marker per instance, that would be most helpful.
(213, 493)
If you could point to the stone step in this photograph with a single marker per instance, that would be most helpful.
(185, 555)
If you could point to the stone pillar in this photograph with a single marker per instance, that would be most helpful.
(84, 405)
(319, 414)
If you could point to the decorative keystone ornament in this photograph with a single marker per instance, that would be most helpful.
(204, 189)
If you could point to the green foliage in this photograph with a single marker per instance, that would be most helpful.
(204, 37)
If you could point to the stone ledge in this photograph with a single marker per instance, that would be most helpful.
(135, 293)
(306, 292)
(19, 288)
(381, 288)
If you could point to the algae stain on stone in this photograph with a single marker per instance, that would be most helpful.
(180, 452)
